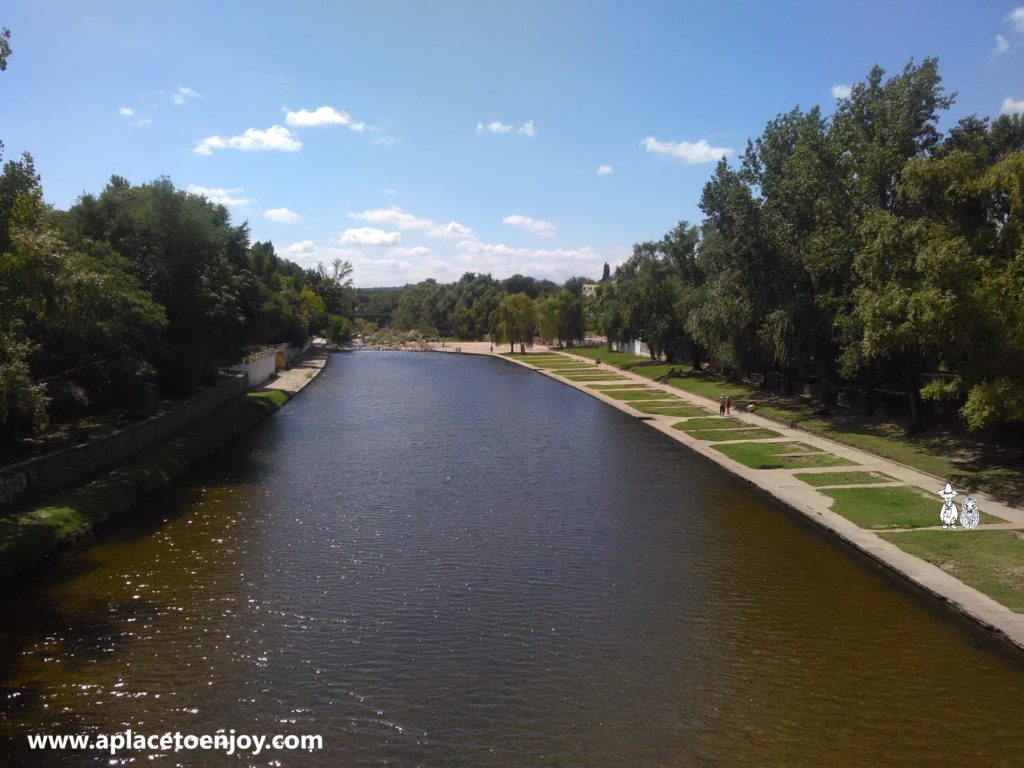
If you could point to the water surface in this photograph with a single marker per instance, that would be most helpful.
(444, 560)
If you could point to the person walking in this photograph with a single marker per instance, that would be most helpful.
(721, 404)
(728, 406)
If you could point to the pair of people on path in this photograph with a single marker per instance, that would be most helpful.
(724, 405)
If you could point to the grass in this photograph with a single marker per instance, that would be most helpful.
(897, 507)
(961, 458)
(754, 433)
(636, 394)
(668, 408)
(819, 479)
(780, 455)
(614, 358)
(990, 561)
(624, 385)
(560, 364)
(593, 377)
(31, 531)
(709, 422)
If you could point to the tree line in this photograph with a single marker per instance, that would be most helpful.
(137, 293)
(477, 306)
(865, 246)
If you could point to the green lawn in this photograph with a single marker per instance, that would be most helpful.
(560, 364)
(819, 479)
(625, 385)
(754, 433)
(709, 422)
(635, 394)
(897, 507)
(615, 358)
(781, 455)
(669, 408)
(961, 458)
(594, 377)
(990, 561)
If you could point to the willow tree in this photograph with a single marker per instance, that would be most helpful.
(514, 321)
(560, 317)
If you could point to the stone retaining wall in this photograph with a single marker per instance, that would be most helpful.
(64, 467)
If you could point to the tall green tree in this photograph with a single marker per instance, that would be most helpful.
(184, 250)
(882, 125)
(515, 321)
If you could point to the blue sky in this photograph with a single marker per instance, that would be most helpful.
(426, 139)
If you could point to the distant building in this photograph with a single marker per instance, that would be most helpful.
(590, 290)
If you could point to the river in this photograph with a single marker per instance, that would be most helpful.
(445, 560)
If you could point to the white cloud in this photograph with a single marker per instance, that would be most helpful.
(1002, 45)
(604, 170)
(386, 141)
(276, 138)
(700, 152)
(306, 253)
(1016, 17)
(303, 247)
(184, 94)
(126, 111)
(322, 116)
(536, 226)
(841, 91)
(527, 128)
(387, 191)
(402, 252)
(370, 236)
(555, 264)
(143, 122)
(396, 217)
(1013, 107)
(398, 265)
(494, 127)
(282, 215)
(228, 197)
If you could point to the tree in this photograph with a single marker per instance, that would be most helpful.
(880, 127)
(5, 47)
(339, 329)
(185, 252)
(744, 277)
(76, 329)
(606, 275)
(794, 165)
(560, 317)
(514, 321)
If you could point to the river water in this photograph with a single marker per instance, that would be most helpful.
(440, 560)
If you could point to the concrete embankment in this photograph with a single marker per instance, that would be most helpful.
(811, 502)
(37, 529)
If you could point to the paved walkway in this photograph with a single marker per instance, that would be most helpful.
(303, 371)
(811, 501)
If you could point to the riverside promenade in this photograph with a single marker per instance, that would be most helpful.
(784, 485)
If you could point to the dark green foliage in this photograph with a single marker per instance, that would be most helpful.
(134, 293)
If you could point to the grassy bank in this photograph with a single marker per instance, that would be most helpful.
(990, 561)
(959, 458)
(27, 534)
